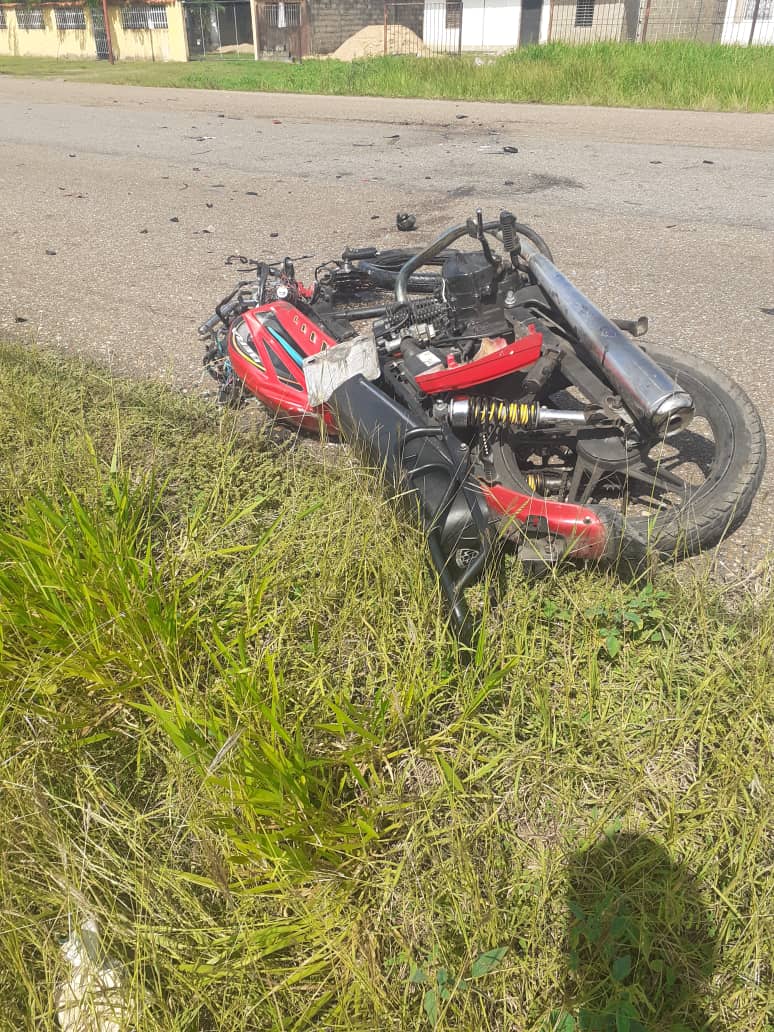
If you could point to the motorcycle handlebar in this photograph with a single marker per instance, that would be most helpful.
(221, 315)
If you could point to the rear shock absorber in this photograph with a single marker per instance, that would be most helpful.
(544, 483)
(491, 414)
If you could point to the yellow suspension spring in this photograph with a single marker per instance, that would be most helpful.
(485, 412)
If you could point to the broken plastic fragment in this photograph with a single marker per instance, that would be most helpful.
(92, 995)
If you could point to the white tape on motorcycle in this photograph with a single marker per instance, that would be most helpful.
(329, 369)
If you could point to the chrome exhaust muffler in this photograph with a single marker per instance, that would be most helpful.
(653, 398)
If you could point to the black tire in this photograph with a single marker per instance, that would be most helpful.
(730, 456)
(721, 504)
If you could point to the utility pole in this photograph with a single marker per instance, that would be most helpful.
(109, 36)
(754, 21)
(254, 18)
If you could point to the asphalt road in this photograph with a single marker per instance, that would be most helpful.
(142, 194)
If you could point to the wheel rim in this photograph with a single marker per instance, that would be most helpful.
(657, 487)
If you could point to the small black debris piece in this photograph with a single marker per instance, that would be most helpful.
(174, 219)
(406, 222)
(50, 252)
(508, 182)
(508, 149)
(273, 235)
(143, 231)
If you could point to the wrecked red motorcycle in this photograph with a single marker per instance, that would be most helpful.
(491, 390)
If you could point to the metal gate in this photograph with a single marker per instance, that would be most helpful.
(100, 36)
(222, 29)
(283, 28)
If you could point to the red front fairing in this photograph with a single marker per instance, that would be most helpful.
(267, 348)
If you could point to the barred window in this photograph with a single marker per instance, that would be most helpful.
(584, 12)
(453, 14)
(152, 16)
(69, 18)
(765, 9)
(283, 15)
(3, 24)
(29, 17)
(157, 17)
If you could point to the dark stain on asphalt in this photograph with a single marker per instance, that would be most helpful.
(541, 181)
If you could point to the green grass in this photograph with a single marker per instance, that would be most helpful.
(660, 75)
(234, 728)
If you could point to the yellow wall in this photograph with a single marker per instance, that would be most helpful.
(150, 44)
(47, 42)
(128, 44)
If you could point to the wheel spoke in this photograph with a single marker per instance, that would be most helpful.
(658, 476)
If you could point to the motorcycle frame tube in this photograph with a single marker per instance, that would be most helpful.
(422, 257)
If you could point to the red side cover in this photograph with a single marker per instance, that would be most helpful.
(481, 370)
(580, 526)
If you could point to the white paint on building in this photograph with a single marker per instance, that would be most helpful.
(738, 22)
(486, 25)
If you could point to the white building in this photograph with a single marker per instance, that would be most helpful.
(493, 25)
(485, 24)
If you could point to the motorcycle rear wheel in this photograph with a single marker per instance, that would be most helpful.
(684, 494)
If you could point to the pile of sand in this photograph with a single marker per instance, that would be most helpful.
(235, 48)
(369, 42)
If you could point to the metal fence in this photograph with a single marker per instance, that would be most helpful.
(352, 29)
(636, 21)
(426, 29)
(296, 28)
(647, 21)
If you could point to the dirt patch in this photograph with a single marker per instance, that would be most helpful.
(370, 42)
